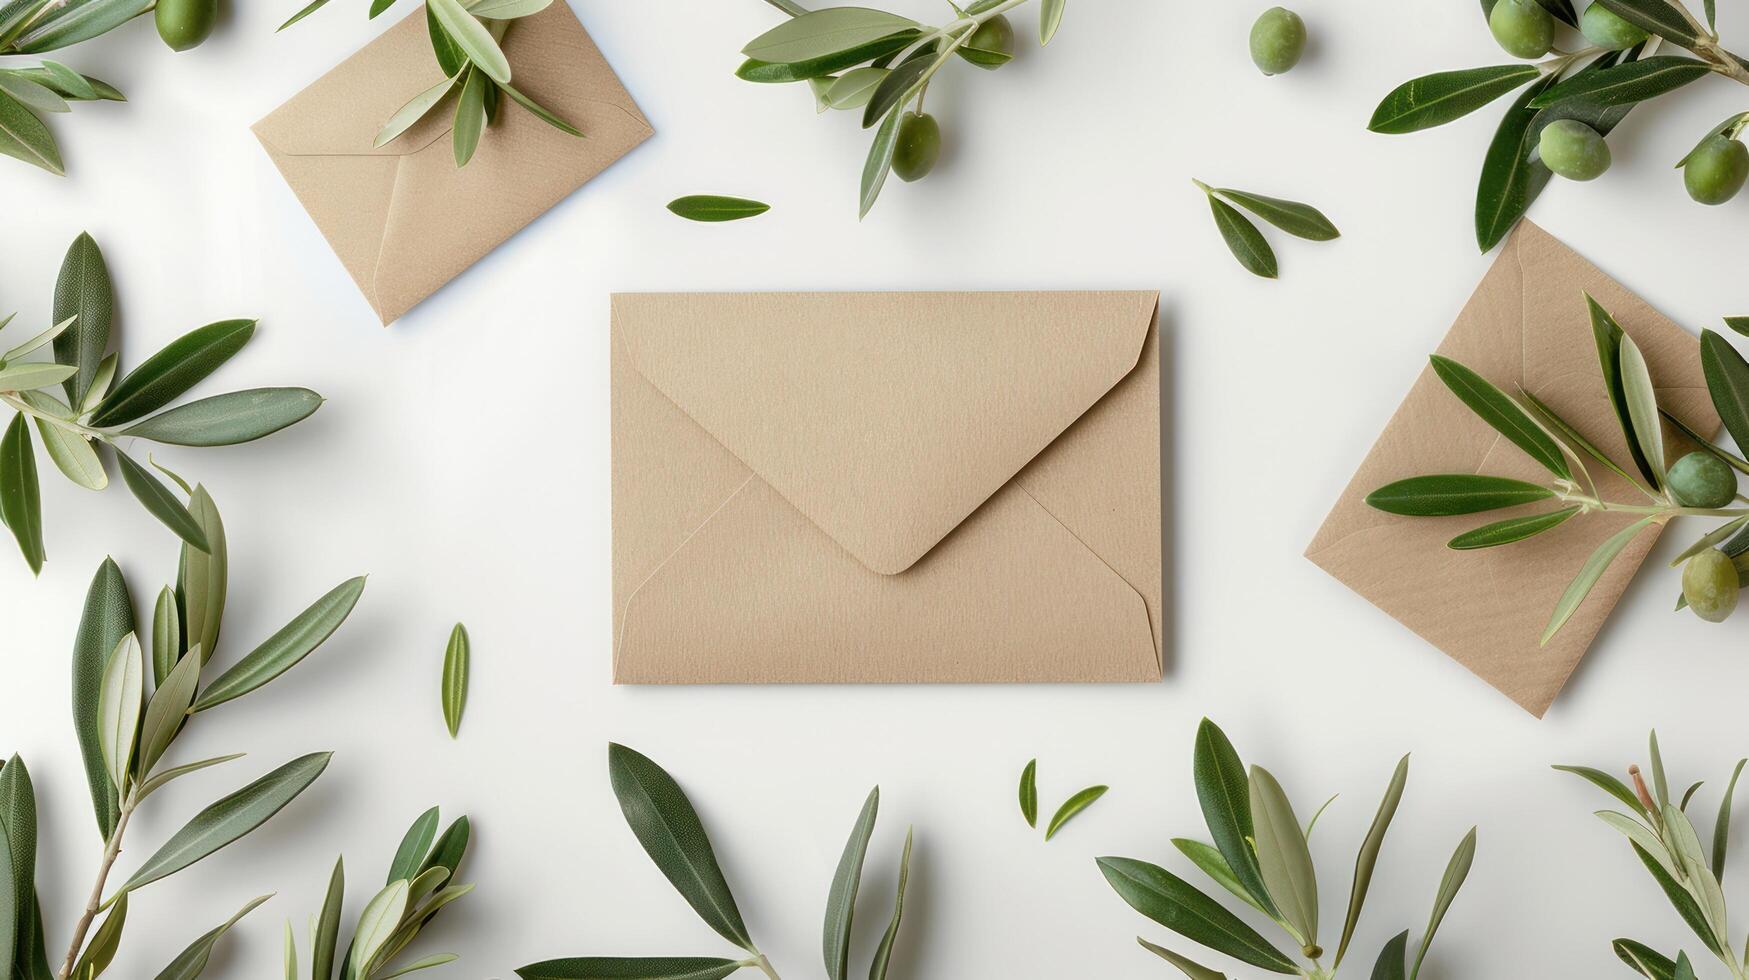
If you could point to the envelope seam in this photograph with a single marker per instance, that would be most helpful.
(625, 610)
(376, 266)
(1159, 654)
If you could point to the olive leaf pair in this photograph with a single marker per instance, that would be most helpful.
(1701, 483)
(421, 881)
(1595, 86)
(1242, 237)
(130, 705)
(1071, 807)
(879, 63)
(465, 39)
(1662, 835)
(665, 823)
(99, 410)
(1260, 856)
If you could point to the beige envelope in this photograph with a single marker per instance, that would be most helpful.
(403, 219)
(886, 487)
(1527, 324)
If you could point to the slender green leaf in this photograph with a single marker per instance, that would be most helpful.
(470, 116)
(1656, 16)
(1391, 961)
(107, 618)
(1722, 828)
(327, 933)
(1169, 900)
(158, 781)
(1300, 220)
(1029, 793)
(381, 915)
(202, 580)
(507, 9)
(313, 6)
(1454, 493)
(101, 950)
(1243, 239)
(284, 649)
(78, 20)
(33, 95)
(854, 88)
(877, 969)
(1209, 859)
(33, 374)
(181, 365)
(630, 968)
(1608, 335)
(1646, 960)
(1680, 898)
(540, 111)
(160, 502)
(438, 959)
(1456, 871)
(457, 660)
(41, 339)
(668, 827)
(1050, 17)
(1071, 807)
(895, 90)
(1727, 379)
(167, 710)
(822, 67)
(1185, 965)
(714, 207)
(18, 819)
(1434, 100)
(879, 162)
(1685, 844)
(1368, 858)
(1637, 832)
(415, 845)
(21, 493)
(227, 820)
(100, 383)
(1510, 530)
(291, 953)
(73, 455)
(118, 712)
(1642, 404)
(1627, 83)
(1609, 784)
(823, 32)
(1592, 570)
(1282, 856)
(166, 635)
(192, 961)
(228, 419)
(1224, 793)
(24, 137)
(841, 899)
(473, 38)
(1501, 413)
(415, 110)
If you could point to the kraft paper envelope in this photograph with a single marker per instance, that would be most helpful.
(1527, 324)
(886, 487)
(403, 218)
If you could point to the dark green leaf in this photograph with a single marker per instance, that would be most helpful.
(1454, 493)
(1510, 530)
(754, 70)
(1502, 413)
(879, 162)
(1592, 570)
(229, 819)
(1510, 178)
(1625, 84)
(1185, 965)
(327, 932)
(667, 826)
(457, 659)
(541, 112)
(470, 116)
(1434, 100)
(841, 899)
(1684, 969)
(1243, 238)
(191, 962)
(451, 847)
(1210, 861)
(1224, 793)
(1609, 784)
(877, 969)
(630, 968)
(1392, 959)
(229, 419)
(1029, 793)
(895, 89)
(1647, 961)
(285, 649)
(21, 493)
(1367, 860)
(415, 844)
(1300, 220)
(160, 502)
(170, 372)
(472, 37)
(107, 617)
(1072, 806)
(1679, 897)
(1562, 10)
(715, 207)
(83, 291)
(314, 6)
(101, 950)
(1456, 871)
(9, 882)
(78, 20)
(450, 59)
(1572, 436)
(1174, 903)
(1727, 380)
(1656, 16)
(1722, 828)
(1738, 323)
(203, 579)
(18, 840)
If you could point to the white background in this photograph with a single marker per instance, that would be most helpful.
(462, 460)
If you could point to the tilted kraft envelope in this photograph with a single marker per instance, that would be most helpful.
(403, 218)
(1527, 324)
(886, 487)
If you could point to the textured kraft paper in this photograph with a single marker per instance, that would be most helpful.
(403, 219)
(1527, 324)
(886, 487)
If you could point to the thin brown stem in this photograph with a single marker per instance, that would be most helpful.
(111, 851)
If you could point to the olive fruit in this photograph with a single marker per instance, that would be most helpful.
(1277, 40)
(992, 45)
(918, 146)
(183, 24)
(1701, 479)
(1715, 171)
(1606, 28)
(1522, 27)
(1709, 583)
(1572, 149)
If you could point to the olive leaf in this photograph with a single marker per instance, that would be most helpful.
(1293, 217)
(1457, 870)
(1608, 336)
(841, 899)
(1433, 100)
(714, 207)
(1243, 239)
(181, 365)
(24, 137)
(823, 32)
(1050, 17)
(229, 419)
(75, 21)
(1727, 380)
(895, 89)
(1592, 570)
(1633, 81)
(1073, 806)
(376, 924)
(161, 503)
(326, 935)
(470, 116)
(1224, 794)
(167, 710)
(192, 962)
(1643, 958)
(1392, 959)
(1502, 414)
(286, 648)
(1609, 784)
(755, 70)
(1367, 860)
(472, 37)
(71, 453)
(631, 967)
(414, 110)
(1185, 965)
(879, 162)
(1209, 860)
(21, 493)
(107, 618)
(1283, 857)
(100, 952)
(457, 657)
(877, 969)
(1174, 903)
(1511, 530)
(1454, 493)
(1656, 16)
(1029, 793)
(203, 577)
(1722, 826)
(1510, 177)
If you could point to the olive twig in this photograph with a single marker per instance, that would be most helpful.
(11, 398)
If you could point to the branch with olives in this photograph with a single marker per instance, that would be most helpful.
(465, 39)
(882, 63)
(99, 411)
(1558, 124)
(1700, 484)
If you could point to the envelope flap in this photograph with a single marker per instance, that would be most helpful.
(885, 418)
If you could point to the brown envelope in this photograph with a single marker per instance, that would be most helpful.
(1526, 325)
(403, 219)
(886, 487)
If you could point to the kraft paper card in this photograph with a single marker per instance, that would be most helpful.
(1527, 324)
(886, 487)
(403, 219)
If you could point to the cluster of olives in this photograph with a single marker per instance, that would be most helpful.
(1709, 579)
(183, 24)
(1713, 173)
(918, 144)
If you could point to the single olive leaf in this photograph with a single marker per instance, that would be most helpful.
(192, 962)
(107, 618)
(1293, 217)
(877, 969)
(1185, 965)
(1624, 84)
(841, 898)
(286, 648)
(470, 116)
(1656, 16)
(1029, 793)
(1456, 871)
(1243, 239)
(879, 162)
(1366, 861)
(24, 137)
(457, 661)
(1174, 903)
(1449, 494)
(1511, 530)
(1224, 794)
(716, 207)
(161, 503)
(1501, 413)
(824, 32)
(1589, 573)
(21, 492)
(1642, 958)
(630, 968)
(1072, 807)
(1510, 178)
(1433, 100)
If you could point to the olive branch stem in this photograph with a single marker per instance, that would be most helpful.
(111, 851)
(12, 400)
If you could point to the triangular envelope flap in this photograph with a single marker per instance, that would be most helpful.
(885, 418)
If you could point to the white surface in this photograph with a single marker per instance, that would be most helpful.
(462, 460)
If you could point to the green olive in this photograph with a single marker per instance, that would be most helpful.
(1701, 479)
(1572, 149)
(183, 24)
(1606, 29)
(992, 45)
(1277, 40)
(918, 146)
(1522, 27)
(1715, 171)
(1709, 583)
